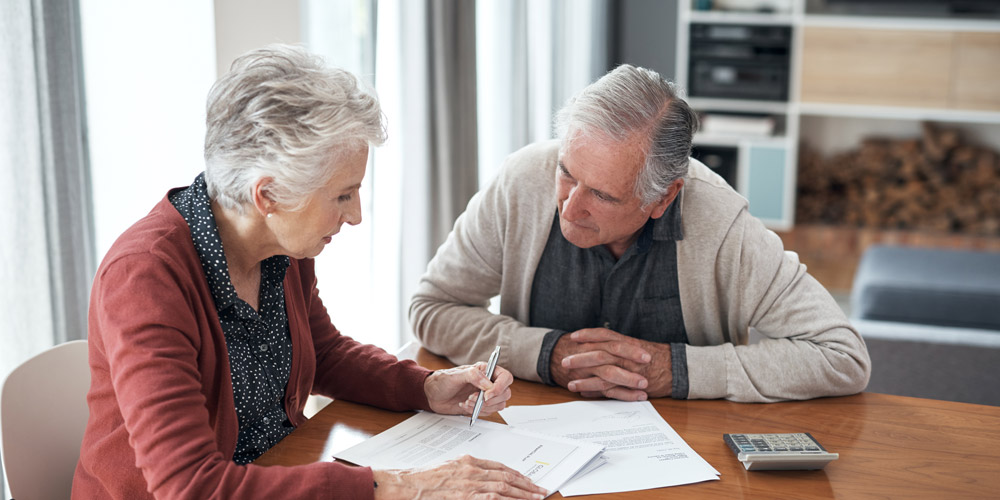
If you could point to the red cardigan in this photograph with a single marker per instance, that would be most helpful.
(162, 418)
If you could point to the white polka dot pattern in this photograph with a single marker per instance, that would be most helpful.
(259, 343)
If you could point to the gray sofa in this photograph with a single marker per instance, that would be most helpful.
(931, 319)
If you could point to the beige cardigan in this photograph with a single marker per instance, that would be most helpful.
(733, 275)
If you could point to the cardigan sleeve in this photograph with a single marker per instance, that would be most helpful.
(150, 324)
(449, 311)
(809, 349)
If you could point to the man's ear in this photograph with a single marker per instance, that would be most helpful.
(261, 196)
(660, 207)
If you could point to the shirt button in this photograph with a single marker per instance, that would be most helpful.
(266, 420)
(263, 347)
(607, 324)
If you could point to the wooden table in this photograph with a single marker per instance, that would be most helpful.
(889, 446)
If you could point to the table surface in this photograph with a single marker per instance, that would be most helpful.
(889, 446)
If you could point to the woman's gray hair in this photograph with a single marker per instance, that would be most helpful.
(281, 113)
(629, 101)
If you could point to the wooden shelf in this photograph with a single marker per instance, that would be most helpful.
(901, 23)
(740, 105)
(736, 140)
(730, 17)
(851, 69)
(898, 113)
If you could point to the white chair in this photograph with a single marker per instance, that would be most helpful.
(43, 412)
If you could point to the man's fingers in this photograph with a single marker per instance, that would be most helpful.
(590, 359)
(611, 353)
(620, 376)
(626, 394)
(596, 388)
(607, 376)
(596, 335)
(595, 339)
(627, 350)
(592, 384)
(613, 375)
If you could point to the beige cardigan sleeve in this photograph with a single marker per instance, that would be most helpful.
(734, 275)
(492, 251)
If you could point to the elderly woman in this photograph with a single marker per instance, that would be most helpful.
(207, 332)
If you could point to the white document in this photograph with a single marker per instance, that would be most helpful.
(426, 439)
(641, 449)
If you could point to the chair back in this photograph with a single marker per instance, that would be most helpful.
(43, 413)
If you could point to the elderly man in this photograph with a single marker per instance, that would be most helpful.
(627, 270)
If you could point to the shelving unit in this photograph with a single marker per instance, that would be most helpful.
(961, 90)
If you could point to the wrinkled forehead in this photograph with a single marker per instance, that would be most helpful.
(604, 163)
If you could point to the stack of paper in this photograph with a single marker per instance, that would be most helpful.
(427, 439)
(722, 124)
(641, 450)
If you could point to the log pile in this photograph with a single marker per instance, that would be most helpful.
(933, 183)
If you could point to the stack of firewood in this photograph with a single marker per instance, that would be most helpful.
(932, 183)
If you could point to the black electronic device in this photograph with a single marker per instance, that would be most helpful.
(737, 61)
(723, 160)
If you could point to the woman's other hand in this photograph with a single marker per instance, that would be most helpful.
(454, 391)
(466, 477)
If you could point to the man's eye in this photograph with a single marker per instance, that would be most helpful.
(345, 198)
(601, 196)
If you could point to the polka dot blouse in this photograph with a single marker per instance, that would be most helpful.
(259, 342)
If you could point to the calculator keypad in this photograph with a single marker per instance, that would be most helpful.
(758, 443)
(779, 451)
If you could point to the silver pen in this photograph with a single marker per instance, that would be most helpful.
(482, 394)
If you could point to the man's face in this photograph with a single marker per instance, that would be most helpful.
(595, 187)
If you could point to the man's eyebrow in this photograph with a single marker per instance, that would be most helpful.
(606, 195)
(603, 194)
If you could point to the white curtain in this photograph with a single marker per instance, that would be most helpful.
(46, 251)
(426, 80)
(532, 57)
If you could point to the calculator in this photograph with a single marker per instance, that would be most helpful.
(796, 451)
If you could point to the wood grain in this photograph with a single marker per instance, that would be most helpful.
(876, 67)
(976, 80)
(889, 446)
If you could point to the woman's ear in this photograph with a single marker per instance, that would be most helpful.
(261, 196)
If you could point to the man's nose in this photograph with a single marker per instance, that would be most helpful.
(573, 206)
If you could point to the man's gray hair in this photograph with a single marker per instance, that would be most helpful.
(629, 101)
(281, 113)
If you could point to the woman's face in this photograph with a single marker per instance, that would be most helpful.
(304, 233)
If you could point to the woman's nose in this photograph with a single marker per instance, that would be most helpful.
(352, 215)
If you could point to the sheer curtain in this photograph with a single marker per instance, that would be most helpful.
(425, 77)
(47, 247)
(532, 57)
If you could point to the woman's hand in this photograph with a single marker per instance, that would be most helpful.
(454, 391)
(466, 477)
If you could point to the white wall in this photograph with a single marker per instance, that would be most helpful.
(147, 68)
(242, 25)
